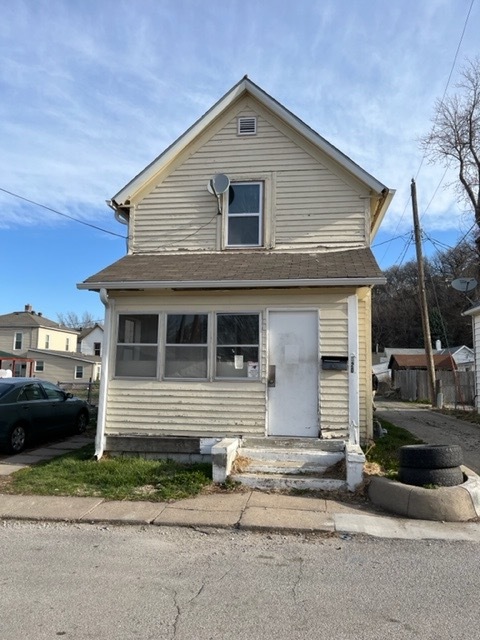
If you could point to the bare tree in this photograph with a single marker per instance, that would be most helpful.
(74, 321)
(455, 137)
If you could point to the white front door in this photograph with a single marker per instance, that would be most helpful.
(292, 402)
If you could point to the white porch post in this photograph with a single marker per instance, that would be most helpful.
(102, 400)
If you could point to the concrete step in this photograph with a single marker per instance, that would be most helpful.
(314, 457)
(293, 443)
(289, 467)
(266, 481)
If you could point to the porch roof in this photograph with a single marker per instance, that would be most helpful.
(237, 269)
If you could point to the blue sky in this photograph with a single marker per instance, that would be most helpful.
(92, 90)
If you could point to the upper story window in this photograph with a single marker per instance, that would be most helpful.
(47, 341)
(18, 341)
(67, 344)
(97, 348)
(244, 214)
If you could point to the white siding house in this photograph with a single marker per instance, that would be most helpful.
(242, 307)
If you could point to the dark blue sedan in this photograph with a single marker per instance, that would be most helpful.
(32, 409)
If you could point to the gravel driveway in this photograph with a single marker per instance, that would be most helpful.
(434, 427)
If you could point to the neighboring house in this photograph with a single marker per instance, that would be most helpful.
(90, 340)
(243, 306)
(474, 312)
(464, 357)
(36, 346)
(62, 366)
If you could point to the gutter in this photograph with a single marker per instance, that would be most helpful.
(102, 400)
(233, 284)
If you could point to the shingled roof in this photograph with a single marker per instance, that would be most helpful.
(29, 319)
(234, 269)
(419, 361)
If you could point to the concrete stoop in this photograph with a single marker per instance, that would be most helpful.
(288, 463)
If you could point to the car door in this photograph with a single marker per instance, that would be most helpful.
(33, 407)
(62, 410)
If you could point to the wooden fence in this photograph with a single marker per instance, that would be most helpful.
(458, 387)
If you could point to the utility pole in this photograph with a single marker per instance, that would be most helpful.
(423, 296)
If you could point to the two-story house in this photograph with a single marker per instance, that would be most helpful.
(90, 340)
(241, 312)
(32, 345)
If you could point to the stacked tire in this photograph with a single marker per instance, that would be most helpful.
(431, 464)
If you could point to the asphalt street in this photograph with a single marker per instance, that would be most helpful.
(93, 581)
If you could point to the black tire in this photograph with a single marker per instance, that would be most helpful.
(17, 439)
(431, 456)
(440, 477)
(81, 423)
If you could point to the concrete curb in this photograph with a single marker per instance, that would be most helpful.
(445, 504)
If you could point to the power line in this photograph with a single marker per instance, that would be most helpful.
(441, 102)
(65, 215)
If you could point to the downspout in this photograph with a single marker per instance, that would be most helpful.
(102, 400)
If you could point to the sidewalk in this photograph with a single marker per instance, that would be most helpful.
(249, 510)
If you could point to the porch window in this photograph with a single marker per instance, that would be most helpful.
(186, 348)
(237, 345)
(78, 372)
(244, 215)
(39, 366)
(137, 346)
(17, 343)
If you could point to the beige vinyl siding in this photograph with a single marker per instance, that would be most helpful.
(227, 407)
(58, 369)
(309, 204)
(7, 339)
(365, 364)
(334, 400)
(57, 339)
(174, 408)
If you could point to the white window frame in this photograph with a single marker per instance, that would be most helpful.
(15, 340)
(211, 344)
(160, 317)
(79, 368)
(258, 346)
(67, 343)
(37, 368)
(47, 341)
(99, 349)
(165, 344)
(260, 214)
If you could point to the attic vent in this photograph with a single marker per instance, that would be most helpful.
(247, 126)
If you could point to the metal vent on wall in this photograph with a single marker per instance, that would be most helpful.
(247, 126)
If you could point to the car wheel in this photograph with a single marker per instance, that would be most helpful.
(17, 439)
(440, 477)
(431, 456)
(81, 422)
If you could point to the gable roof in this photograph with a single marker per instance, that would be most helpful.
(85, 332)
(419, 361)
(236, 269)
(30, 320)
(246, 86)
